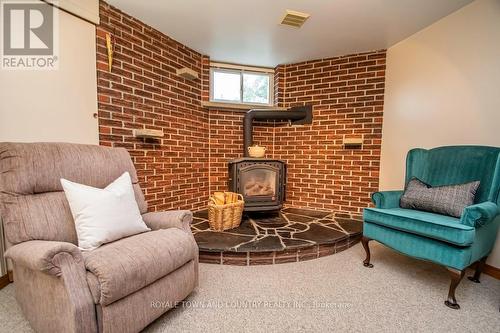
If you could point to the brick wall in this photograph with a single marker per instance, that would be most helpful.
(190, 161)
(347, 94)
(143, 91)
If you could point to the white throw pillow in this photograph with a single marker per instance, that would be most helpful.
(104, 215)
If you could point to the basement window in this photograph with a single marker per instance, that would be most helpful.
(241, 85)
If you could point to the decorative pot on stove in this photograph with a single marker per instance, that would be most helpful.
(256, 151)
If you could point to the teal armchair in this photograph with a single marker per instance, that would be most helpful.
(453, 242)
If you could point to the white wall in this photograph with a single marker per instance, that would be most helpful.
(54, 105)
(87, 9)
(443, 88)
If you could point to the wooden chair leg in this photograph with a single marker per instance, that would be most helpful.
(479, 269)
(456, 277)
(365, 241)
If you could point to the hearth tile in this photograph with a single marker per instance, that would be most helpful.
(342, 245)
(261, 258)
(234, 262)
(305, 257)
(260, 255)
(351, 226)
(266, 243)
(308, 250)
(353, 239)
(203, 214)
(289, 255)
(202, 226)
(280, 241)
(320, 234)
(235, 255)
(284, 234)
(334, 226)
(326, 249)
(286, 253)
(342, 242)
(284, 260)
(212, 240)
(197, 220)
(270, 225)
(299, 218)
(272, 222)
(235, 258)
(294, 243)
(330, 224)
(297, 226)
(260, 230)
(307, 212)
(210, 257)
(256, 262)
(341, 248)
(342, 215)
(245, 228)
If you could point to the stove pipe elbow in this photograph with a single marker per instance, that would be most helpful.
(298, 115)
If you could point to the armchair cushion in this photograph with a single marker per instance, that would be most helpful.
(118, 269)
(41, 255)
(169, 219)
(479, 214)
(436, 226)
(387, 199)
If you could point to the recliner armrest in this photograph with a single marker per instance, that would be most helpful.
(169, 219)
(44, 256)
(65, 261)
(386, 199)
(479, 214)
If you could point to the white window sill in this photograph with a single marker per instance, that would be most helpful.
(239, 106)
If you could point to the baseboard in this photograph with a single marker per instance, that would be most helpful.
(492, 271)
(4, 280)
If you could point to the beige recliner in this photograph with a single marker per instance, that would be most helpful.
(119, 287)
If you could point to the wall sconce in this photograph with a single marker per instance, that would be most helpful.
(353, 142)
(187, 73)
(148, 133)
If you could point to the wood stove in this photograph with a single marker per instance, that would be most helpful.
(261, 181)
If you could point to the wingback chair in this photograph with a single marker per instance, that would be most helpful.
(453, 242)
(119, 287)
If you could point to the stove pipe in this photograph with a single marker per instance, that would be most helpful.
(298, 115)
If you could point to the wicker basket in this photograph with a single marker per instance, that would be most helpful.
(224, 217)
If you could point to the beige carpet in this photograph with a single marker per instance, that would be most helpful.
(334, 293)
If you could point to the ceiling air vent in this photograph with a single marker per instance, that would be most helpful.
(294, 19)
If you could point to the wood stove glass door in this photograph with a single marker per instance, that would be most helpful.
(258, 183)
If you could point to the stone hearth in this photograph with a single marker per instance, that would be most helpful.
(271, 238)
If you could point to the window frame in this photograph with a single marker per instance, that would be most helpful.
(241, 70)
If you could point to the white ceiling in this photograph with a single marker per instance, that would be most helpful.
(247, 31)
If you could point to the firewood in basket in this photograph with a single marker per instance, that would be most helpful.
(219, 198)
